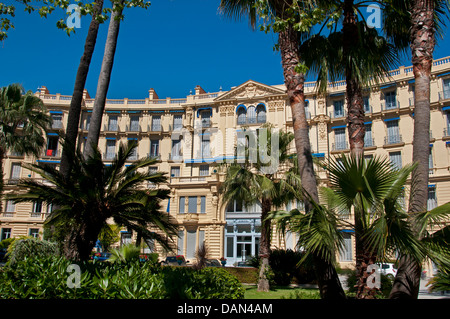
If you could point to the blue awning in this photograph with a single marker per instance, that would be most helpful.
(387, 86)
(168, 206)
(132, 138)
(340, 126)
(134, 111)
(367, 123)
(176, 111)
(337, 94)
(347, 231)
(56, 112)
(46, 161)
(52, 134)
(432, 186)
(114, 112)
(392, 119)
(446, 108)
(443, 74)
(239, 106)
(318, 155)
(110, 138)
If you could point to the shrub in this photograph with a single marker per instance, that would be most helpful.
(48, 277)
(30, 248)
(386, 283)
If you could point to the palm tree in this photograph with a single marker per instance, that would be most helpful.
(420, 23)
(288, 41)
(249, 183)
(73, 119)
(23, 122)
(95, 193)
(356, 53)
(374, 189)
(104, 79)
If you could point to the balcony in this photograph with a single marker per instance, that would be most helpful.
(393, 139)
(134, 128)
(109, 156)
(175, 127)
(175, 157)
(155, 128)
(369, 142)
(111, 128)
(444, 95)
(389, 106)
(51, 153)
(337, 115)
(339, 146)
(157, 156)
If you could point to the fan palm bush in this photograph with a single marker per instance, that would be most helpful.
(95, 193)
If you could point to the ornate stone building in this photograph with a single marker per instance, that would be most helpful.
(192, 135)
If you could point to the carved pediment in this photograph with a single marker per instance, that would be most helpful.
(250, 90)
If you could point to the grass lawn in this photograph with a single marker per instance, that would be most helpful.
(281, 292)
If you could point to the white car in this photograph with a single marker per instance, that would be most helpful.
(388, 269)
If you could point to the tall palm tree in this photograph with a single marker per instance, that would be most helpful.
(94, 193)
(23, 122)
(249, 183)
(288, 41)
(356, 53)
(374, 189)
(104, 79)
(73, 119)
(416, 23)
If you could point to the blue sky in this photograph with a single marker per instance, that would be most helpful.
(172, 46)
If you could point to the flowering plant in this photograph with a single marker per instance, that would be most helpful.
(223, 259)
(179, 257)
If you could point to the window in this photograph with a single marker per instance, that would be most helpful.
(37, 209)
(192, 204)
(152, 170)
(34, 232)
(154, 148)
(367, 108)
(134, 124)
(182, 205)
(156, 123)
(242, 115)
(202, 204)
(430, 160)
(432, 200)
(390, 100)
(338, 108)
(10, 209)
(52, 145)
(88, 122)
(446, 84)
(176, 150)
(234, 207)
(205, 150)
(261, 113)
(393, 134)
(191, 240)
(112, 123)
(15, 171)
(206, 118)
(340, 142)
(368, 141)
(177, 122)
(110, 149)
(204, 170)
(251, 115)
(134, 153)
(6, 233)
(346, 251)
(396, 159)
(175, 171)
(180, 242)
(56, 121)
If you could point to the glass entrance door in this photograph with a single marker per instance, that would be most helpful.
(244, 248)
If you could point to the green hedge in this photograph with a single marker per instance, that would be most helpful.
(51, 277)
(248, 275)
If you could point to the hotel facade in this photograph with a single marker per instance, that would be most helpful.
(190, 136)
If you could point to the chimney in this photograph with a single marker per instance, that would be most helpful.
(44, 90)
(199, 90)
(152, 94)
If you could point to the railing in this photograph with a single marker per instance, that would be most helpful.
(393, 139)
(205, 96)
(111, 128)
(37, 215)
(109, 156)
(337, 115)
(339, 146)
(175, 157)
(390, 105)
(155, 128)
(175, 127)
(57, 125)
(51, 153)
(134, 128)
(369, 142)
(156, 156)
(8, 214)
(12, 181)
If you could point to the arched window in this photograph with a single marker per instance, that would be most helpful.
(241, 115)
(251, 115)
(261, 113)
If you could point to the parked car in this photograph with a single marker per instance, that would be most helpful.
(388, 269)
(174, 261)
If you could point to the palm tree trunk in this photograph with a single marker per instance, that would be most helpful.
(103, 82)
(328, 280)
(73, 120)
(407, 281)
(355, 117)
(2, 185)
(264, 246)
